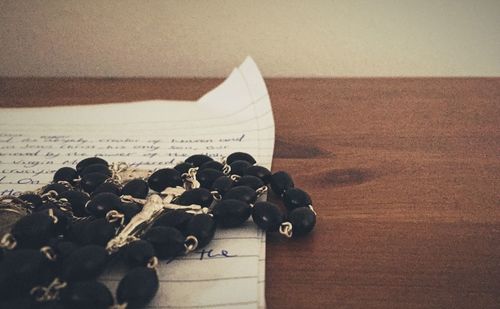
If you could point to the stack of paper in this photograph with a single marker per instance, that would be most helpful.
(235, 116)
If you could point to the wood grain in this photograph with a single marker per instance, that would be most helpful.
(404, 175)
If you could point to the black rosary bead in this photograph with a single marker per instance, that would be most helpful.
(89, 161)
(242, 193)
(163, 178)
(61, 227)
(295, 198)
(86, 294)
(231, 212)
(96, 168)
(137, 188)
(198, 159)
(222, 184)
(62, 248)
(138, 253)
(202, 227)
(34, 230)
(239, 167)
(91, 181)
(175, 218)
(18, 303)
(167, 241)
(76, 230)
(198, 196)
(280, 182)
(259, 171)
(207, 177)
(138, 287)
(100, 204)
(65, 174)
(106, 187)
(84, 263)
(183, 167)
(77, 200)
(250, 181)
(22, 269)
(34, 200)
(243, 156)
(47, 204)
(212, 164)
(50, 305)
(129, 210)
(303, 220)
(267, 216)
(98, 232)
(58, 187)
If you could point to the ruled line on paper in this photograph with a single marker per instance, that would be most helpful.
(238, 256)
(209, 306)
(238, 238)
(193, 280)
(20, 138)
(225, 132)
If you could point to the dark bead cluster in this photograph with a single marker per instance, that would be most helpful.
(89, 215)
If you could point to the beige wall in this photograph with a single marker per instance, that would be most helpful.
(286, 38)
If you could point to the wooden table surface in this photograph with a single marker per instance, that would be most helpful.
(404, 175)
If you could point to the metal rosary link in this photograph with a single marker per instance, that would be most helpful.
(65, 183)
(114, 216)
(64, 205)
(49, 253)
(153, 263)
(189, 179)
(286, 229)
(8, 241)
(216, 195)
(191, 243)
(50, 196)
(48, 293)
(51, 214)
(235, 177)
(226, 168)
(261, 191)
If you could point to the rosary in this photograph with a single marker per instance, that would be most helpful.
(68, 230)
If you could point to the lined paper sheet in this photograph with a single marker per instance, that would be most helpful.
(235, 116)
